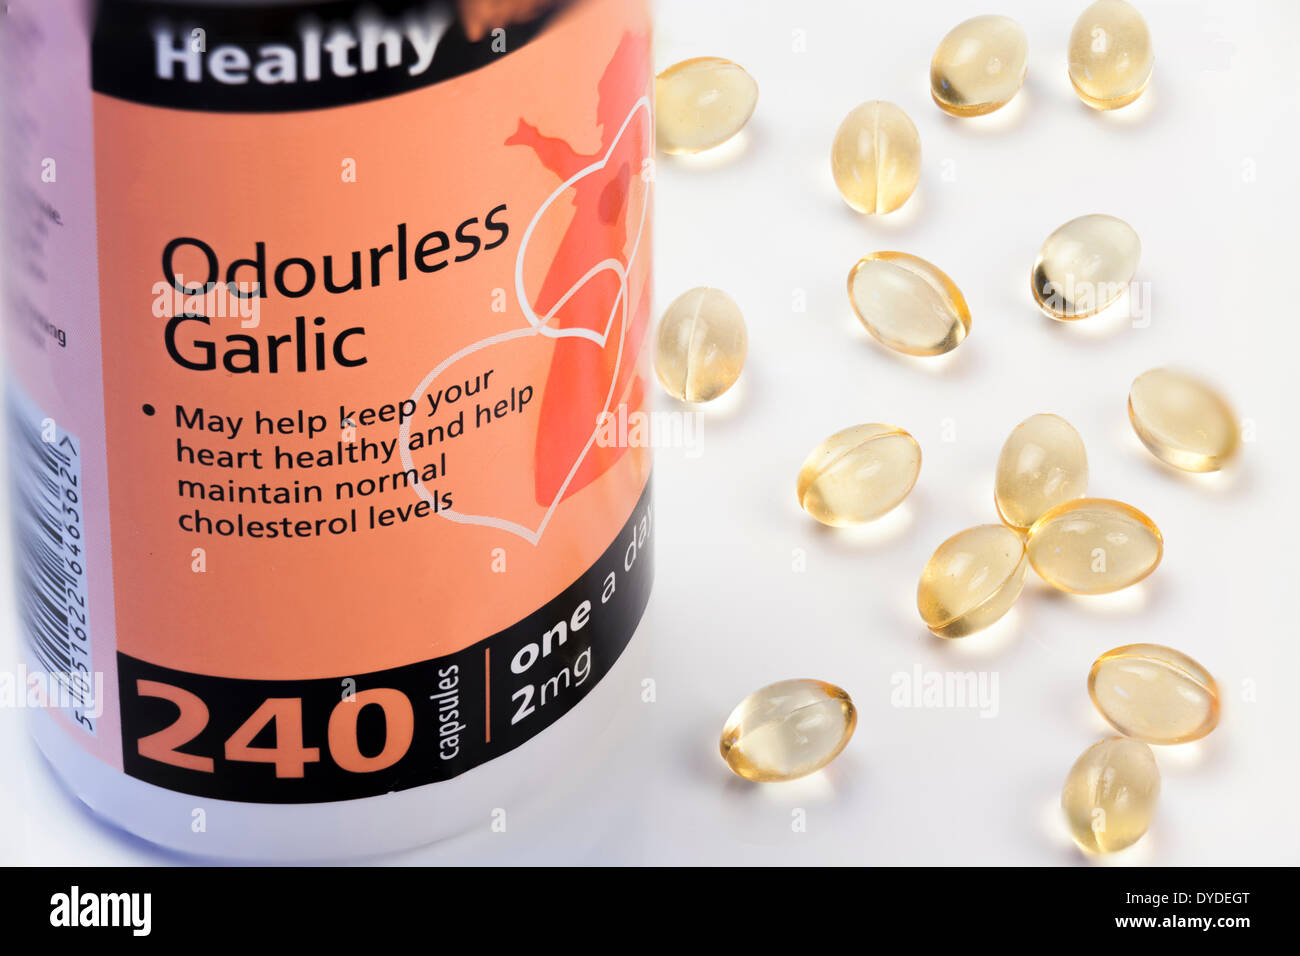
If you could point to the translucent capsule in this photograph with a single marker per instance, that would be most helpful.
(1182, 420)
(1110, 794)
(876, 158)
(1085, 266)
(1043, 464)
(787, 730)
(908, 304)
(1110, 55)
(702, 103)
(971, 580)
(1094, 546)
(979, 66)
(701, 345)
(859, 474)
(1154, 693)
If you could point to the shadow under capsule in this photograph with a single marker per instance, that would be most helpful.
(1125, 602)
(1133, 114)
(956, 364)
(728, 406)
(1233, 478)
(828, 784)
(993, 641)
(1141, 853)
(1192, 757)
(1106, 323)
(905, 217)
(884, 530)
(724, 156)
(1005, 118)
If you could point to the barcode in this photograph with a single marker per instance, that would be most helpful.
(49, 526)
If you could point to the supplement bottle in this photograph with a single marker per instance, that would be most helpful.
(323, 329)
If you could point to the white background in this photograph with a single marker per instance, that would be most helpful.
(1203, 167)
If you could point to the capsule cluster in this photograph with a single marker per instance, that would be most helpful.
(906, 303)
(1075, 543)
(979, 66)
(1151, 695)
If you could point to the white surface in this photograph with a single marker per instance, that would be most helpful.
(762, 220)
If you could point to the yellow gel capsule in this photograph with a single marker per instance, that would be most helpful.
(1085, 266)
(971, 580)
(876, 158)
(1094, 546)
(1043, 464)
(1110, 794)
(701, 345)
(1110, 55)
(1154, 693)
(979, 66)
(908, 304)
(859, 474)
(702, 103)
(1182, 420)
(787, 730)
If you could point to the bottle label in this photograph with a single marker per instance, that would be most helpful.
(372, 284)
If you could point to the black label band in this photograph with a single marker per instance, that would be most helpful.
(247, 58)
(318, 740)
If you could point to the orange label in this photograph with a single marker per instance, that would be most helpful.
(356, 360)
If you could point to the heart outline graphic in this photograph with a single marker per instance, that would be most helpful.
(541, 326)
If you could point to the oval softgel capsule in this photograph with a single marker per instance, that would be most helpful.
(908, 304)
(979, 66)
(972, 580)
(1110, 57)
(1042, 464)
(702, 103)
(1085, 266)
(701, 345)
(1110, 794)
(876, 157)
(1094, 546)
(1182, 420)
(859, 474)
(787, 730)
(1154, 693)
